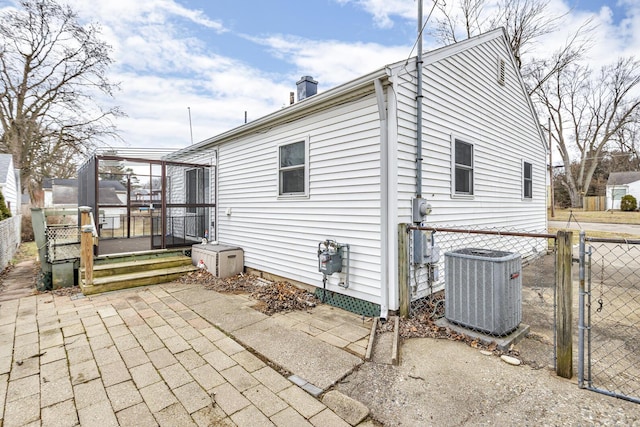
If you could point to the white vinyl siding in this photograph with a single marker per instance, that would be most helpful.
(280, 235)
(462, 99)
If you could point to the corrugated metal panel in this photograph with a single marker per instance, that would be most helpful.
(280, 236)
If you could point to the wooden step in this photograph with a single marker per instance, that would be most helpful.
(139, 265)
(132, 280)
(137, 256)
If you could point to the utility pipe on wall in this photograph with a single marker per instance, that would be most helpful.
(419, 62)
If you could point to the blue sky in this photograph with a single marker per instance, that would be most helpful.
(220, 58)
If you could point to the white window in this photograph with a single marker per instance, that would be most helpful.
(527, 180)
(462, 166)
(293, 169)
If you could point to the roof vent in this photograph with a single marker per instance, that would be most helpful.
(501, 71)
(306, 87)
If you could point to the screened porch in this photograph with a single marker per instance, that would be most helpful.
(140, 204)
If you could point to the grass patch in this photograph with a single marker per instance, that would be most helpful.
(26, 251)
(596, 234)
(611, 217)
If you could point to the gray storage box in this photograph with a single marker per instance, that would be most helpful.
(220, 260)
(483, 290)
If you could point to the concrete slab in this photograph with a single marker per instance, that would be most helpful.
(231, 318)
(316, 361)
(345, 407)
(503, 343)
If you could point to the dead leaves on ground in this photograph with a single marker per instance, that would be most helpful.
(271, 297)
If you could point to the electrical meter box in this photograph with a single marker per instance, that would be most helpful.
(220, 260)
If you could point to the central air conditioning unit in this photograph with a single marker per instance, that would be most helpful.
(483, 290)
(220, 260)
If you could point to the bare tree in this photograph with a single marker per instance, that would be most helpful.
(460, 20)
(52, 70)
(524, 21)
(588, 114)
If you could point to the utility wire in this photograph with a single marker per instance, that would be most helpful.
(435, 3)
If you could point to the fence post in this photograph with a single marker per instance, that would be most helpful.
(564, 302)
(86, 244)
(581, 308)
(403, 269)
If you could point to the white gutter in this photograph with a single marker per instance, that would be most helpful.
(384, 195)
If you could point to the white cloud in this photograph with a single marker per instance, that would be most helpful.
(610, 39)
(332, 62)
(164, 69)
(383, 11)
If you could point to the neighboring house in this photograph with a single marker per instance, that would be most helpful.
(60, 193)
(63, 193)
(341, 165)
(620, 184)
(10, 184)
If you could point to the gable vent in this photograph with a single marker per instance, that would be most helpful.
(501, 70)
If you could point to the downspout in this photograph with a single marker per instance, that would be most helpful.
(419, 63)
(384, 194)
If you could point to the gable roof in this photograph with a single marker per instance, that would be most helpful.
(308, 103)
(5, 162)
(622, 178)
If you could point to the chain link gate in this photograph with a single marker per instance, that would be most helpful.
(609, 317)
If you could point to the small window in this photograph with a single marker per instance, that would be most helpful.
(527, 180)
(619, 193)
(292, 164)
(463, 168)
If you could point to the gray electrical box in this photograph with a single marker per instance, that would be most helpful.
(420, 209)
(425, 250)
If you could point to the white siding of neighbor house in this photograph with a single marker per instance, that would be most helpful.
(10, 191)
(463, 99)
(281, 235)
(632, 188)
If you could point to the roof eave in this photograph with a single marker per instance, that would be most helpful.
(300, 106)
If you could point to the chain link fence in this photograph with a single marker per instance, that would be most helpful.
(499, 278)
(611, 317)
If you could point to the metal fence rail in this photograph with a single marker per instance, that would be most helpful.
(610, 317)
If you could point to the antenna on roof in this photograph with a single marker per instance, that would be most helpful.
(190, 127)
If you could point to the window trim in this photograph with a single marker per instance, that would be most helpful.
(300, 195)
(455, 194)
(524, 181)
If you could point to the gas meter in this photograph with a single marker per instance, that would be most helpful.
(330, 260)
(329, 257)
